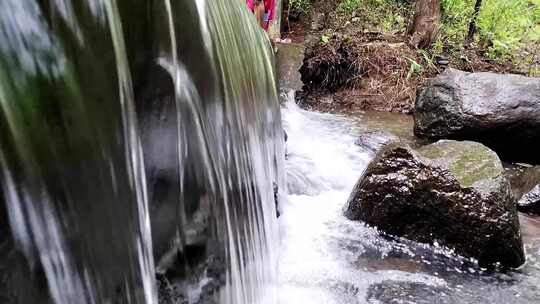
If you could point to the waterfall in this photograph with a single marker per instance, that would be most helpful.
(137, 138)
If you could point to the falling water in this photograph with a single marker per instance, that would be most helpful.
(137, 137)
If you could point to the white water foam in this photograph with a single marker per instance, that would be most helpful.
(323, 164)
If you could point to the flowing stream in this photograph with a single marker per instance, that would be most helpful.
(327, 259)
(142, 159)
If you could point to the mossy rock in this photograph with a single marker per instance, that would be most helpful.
(451, 192)
(469, 162)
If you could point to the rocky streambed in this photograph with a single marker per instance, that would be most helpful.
(328, 258)
(425, 222)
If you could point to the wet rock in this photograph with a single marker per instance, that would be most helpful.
(169, 293)
(396, 292)
(451, 192)
(523, 178)
(525, 182)
(530, 202)
(442, 61)
(375, 140)
(501, 111)
(289, 60)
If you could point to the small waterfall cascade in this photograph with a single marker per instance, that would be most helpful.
(138, 139)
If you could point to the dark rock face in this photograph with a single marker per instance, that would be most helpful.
(522, 178)
(501, 111)
(530, 202)
(451, 192)
(525, 182)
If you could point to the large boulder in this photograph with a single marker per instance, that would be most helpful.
(451, 192)
(501, 111)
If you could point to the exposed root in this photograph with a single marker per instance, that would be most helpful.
(376, 75)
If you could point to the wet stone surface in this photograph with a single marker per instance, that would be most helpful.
(530, 202)
(451, 192)
(289, 59)
(501, 111)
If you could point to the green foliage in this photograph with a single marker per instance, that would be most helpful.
(325, 39)
(388, 15)
(456, 16)
(507, 29)
(428, 58)
(414, 69)
(349, 5)
(504, 26)
(300, 6)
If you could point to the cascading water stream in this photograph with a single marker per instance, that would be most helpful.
(140, 148)
(328, 259)
(137, 137)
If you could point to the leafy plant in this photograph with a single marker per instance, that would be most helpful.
(504, 26)
(388, 15)
(348, 5)
(415, 68)
(325, 39)
(300, 6)
(428, 58)
(457, 15)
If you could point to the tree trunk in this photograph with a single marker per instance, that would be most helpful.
(472, 25)
(424, 26)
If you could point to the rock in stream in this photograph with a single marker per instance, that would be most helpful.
(501, 111)
(374, 140)
(525, 182)
(530, 202)
(450, 192)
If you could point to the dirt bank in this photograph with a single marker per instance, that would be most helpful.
(353, 64)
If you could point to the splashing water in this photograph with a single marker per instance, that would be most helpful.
(328, 259)
(136, 137)
(144, 137)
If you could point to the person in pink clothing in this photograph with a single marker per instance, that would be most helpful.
(263, 10)
(269, 6)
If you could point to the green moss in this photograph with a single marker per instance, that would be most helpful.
(432, 152)
(469, 162)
